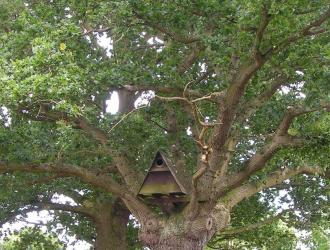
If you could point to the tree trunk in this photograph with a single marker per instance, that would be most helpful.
(126, 101)
(182, 232)
(175, 243)
(111, 224)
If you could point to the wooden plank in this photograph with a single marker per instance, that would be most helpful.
(161, 183)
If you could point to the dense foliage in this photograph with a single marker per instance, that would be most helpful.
(237, 93)
(31, 238)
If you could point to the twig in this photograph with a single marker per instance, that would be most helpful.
(124, 117)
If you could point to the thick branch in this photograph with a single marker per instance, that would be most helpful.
(193, 204)
(44, 180)
(247, 190)
(167, 90)
(247, 110)
(104, 182)
(240, 81)
(46, 206)
(227, 110)
(64, 207)
(93, 131)
(16, 213)
(45, 114)
(67, 170)
(250, 107)
(260, 159)
(126, 100)
(131, 177)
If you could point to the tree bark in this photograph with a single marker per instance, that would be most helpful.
(182, 232)
(179, 243)
(111, 224)
(126, 100)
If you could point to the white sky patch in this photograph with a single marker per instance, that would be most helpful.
(300, 73)
(68, 10)
(144, 98)
(203, 67)
(112, 103)
(252, 142)
(296, 87)
(105, 42)
(62, 199)
(157, 42)
(280, 205)
(5, 114)
(41, 218)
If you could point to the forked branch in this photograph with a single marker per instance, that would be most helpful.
(260, 159)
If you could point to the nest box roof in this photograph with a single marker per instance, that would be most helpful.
(164, 177)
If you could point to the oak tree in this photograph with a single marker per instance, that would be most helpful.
(237, 93)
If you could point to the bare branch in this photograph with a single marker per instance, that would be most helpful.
(211, 96)
(166, 89)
